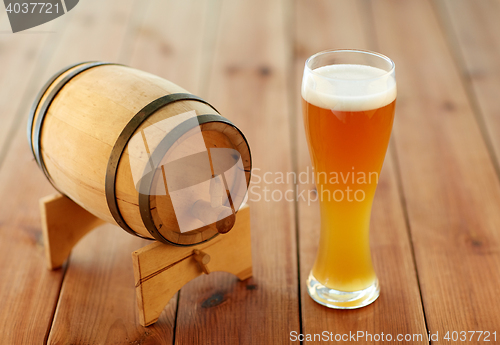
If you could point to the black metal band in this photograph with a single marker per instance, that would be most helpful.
(121, 143)
(35, 127)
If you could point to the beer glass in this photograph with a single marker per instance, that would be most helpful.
(348, 101)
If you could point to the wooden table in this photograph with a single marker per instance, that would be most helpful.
(436, 218)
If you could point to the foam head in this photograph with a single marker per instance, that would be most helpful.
(346, 87)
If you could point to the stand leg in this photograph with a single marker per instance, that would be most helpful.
(64, 223)
(160, 270)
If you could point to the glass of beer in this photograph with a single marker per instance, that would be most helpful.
(348, 101)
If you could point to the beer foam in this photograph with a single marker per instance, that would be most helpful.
(346, 87)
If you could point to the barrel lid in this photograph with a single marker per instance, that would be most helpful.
(201, 180)
(191, 172)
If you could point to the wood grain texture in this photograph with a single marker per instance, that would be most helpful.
(472, 31)
(175, 41)
(19, 55)
(450, 187)
(97, 303)
(28, 291)
(248, 82)
(398, 310)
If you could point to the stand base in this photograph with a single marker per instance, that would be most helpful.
(64, 223)
(160, 270)
(341, 299)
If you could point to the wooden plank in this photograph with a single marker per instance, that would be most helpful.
(19, 55)
(472, 29)
(107, 301)
(59, 43)
(161, 270)
(97, 303)
(175, 48)
(29, 292)
(335, 25)
(64, 223)
(248, 86)
(451, 190)
(25, 286)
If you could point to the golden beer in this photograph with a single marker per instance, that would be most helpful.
(348, 113)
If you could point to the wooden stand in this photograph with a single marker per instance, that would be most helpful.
(160, 270)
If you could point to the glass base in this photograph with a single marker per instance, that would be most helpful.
(341, 299)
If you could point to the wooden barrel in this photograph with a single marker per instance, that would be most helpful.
(141, 152)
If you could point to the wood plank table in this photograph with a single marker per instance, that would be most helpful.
(435, 228)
